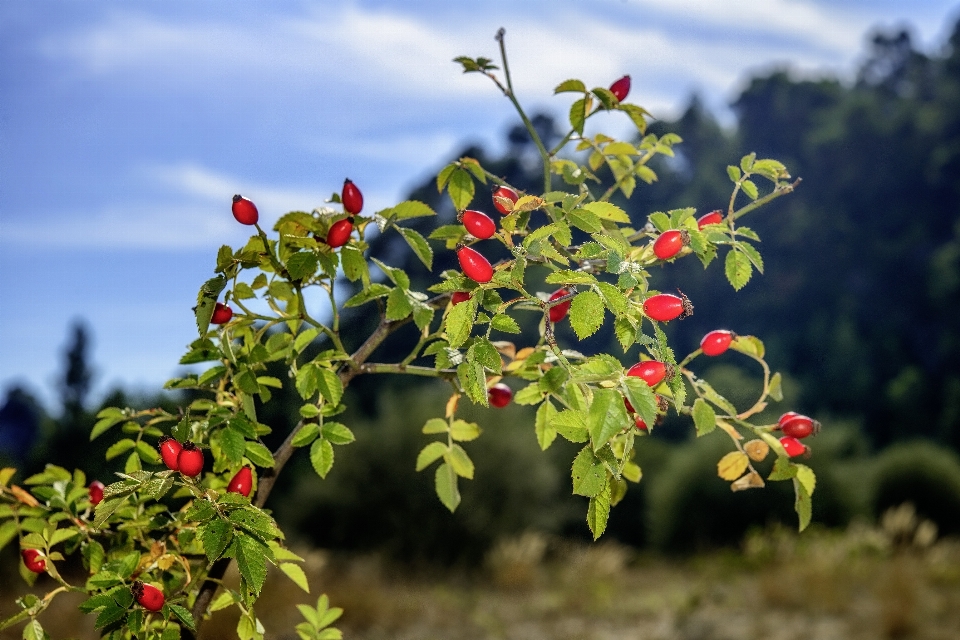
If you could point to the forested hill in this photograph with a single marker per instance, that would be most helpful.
(860, 300)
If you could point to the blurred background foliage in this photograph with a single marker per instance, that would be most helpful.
(859, 307)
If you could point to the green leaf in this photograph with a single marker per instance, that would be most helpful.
(250, 555)
(105, 422)
(571, 424)
(259, 454)
(704, 417)
(504, 323)
(184, 614)
(783, 469)
(461, 189)
(586, 314)
(546, 432)
(409, 209)
(606, 416)
(306, 435)
(337, 433)
(578, 114)
(807, 478)
(598, 512)
(459, 322)
(738, 269)
(435, 425)
(607, 211)
(374, 291)
(803, 505)
(295, 573)
(462, 464)
(215, 536)
(588, 474)
(530, 394)
(734, 173)
(418, 244)
(107, 616)
(751, 252)
(398, 305)
(302, 265)
(207, 300)
(473, 381)
(233, 444)
(750, 189)
(613, 298)
(354, 264)
(463, 431)
(570, 85)
(307, 380)
(776, 387)
(641, 398)
(430, 454)
(119, 447)
(750, 345)
(331, 388)
(445, 483)
(321, 457)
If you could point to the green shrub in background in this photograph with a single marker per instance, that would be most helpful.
(923, 474)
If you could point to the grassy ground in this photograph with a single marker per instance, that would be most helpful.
(860, 584)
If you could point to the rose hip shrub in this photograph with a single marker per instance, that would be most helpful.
(189, 499)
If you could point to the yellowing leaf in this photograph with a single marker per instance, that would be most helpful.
(756, 449)
(751, 480)
(732, 465)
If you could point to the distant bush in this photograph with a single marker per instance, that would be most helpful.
(924, 474)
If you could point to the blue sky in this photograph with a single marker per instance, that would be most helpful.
(125, 127)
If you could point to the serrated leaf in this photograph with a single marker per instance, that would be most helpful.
(732, 465)
(430, 454)
(606, 416)
(233, 444)
(806, 477)
(783, 469)
(463, 431)
(398, 305)
(598, 512)
(752, 254)
(215, 536)
(546, 432)
(461, 189)
(586, 313)
(571, 424)
(803, 505)
(572, 85)
(295, 573)
(704, 418)
(411, 208)
(119, 447)
(321, 457)
(756, 449)
(751, 345)
(459, 322)
(504, 323)
(445, 483)
(738, 270)
(330, 386)
(565, 276)
(436, 425)
(337, 433)
(641, 398)
(750, 189)
(259, 454)
(374, 291)
(302, 265)
(588, 474)
(419, 245)
(184, 614)
(613, 298)
(607, 211)
(462, 464)
(354, 264)
(473, 381)
(776, 387)
(250, 555)
(734, 173)
(578, 114)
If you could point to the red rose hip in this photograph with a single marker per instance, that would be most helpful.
(351, 197)
(785, 417)
(716, 342)
(241, 482)
(670, 243)
(458, 297)
(33, 560)
(221, 314)
(621, 88)
(792, 446)
(501, 194)
(479, 224)
(650, 371)
(640, 424)
(714, 217)
(799, 427)
(244, 210)
(500, 395)
(664, 307)
(96, 492)
(147, 596)
(559, 311)
(190, 460)
(339, 233)
(474, 265)
(169, 452)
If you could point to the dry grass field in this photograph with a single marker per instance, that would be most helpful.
(862, 584)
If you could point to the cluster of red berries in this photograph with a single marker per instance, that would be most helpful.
(187, 458)
(475, 266)
(795, 427)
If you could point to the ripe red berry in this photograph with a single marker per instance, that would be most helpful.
(785, 417)
(669, 243)
(33, 560)
(244, 210)
(714, 217)
(650, 371)
(478, 224)
(799, 427)
(629, 406)
(792, 446)
(351, 198)
(169, 452)
(504, 193)
(241, 482)
(474, 265)
(190, 460)
(640, 423)
(621, 88)
(458, 297)
(716, 342)
(339, 233)
(96, 492)
(148, 596)
(500, 395)
(664, 307)
(559, 311)
(221, 314)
